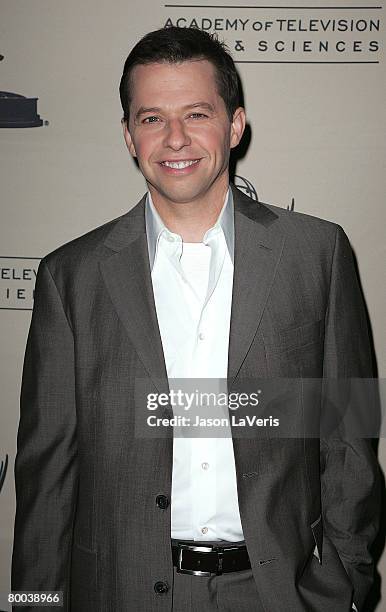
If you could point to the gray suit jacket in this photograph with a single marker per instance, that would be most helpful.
(87, 521)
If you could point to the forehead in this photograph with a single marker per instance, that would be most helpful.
(173, 83)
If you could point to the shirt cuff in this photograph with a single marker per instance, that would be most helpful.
(354, 607)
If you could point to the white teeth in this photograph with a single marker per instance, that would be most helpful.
(179, 165)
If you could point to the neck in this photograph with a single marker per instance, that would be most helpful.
(191, 219)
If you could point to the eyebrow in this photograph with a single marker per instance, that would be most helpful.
(155, 109)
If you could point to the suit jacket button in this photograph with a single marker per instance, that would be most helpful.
(162, 501)
(161, 587)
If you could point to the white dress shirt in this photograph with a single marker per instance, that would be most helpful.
(192, 284)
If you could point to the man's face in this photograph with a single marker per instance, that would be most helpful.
(179, 129)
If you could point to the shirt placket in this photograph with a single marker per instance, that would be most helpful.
(203, 452)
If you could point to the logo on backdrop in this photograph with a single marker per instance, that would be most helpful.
(3, 471)
(246, 187)
(17, 282)
(17, 111)
(292, 205)
(316, 34)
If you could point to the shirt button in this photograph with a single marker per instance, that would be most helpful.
(201, 336)
(204, 530)
(205, 466)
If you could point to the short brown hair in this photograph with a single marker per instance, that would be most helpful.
(174, 45)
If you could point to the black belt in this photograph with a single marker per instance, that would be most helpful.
(202, 560)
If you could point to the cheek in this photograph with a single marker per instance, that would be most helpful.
(214, 142)
(144, 150)
(146, 144)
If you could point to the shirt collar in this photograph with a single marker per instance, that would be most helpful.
(155, 226)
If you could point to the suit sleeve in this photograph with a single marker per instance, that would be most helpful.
(350, 480)
(46, 468)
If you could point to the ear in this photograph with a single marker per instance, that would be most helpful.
(128, 139)
(237, 126)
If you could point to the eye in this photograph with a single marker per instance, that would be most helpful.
(198, 115)
(152, 119)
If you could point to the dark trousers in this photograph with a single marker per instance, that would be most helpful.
(230, 592)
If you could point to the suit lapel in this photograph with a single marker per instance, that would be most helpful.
(258, 248)
(127, 277)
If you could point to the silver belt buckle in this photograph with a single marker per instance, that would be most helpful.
(203, 549)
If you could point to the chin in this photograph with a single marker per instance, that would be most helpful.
(185, 198)
(179, 195)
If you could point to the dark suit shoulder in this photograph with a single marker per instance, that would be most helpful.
(80, 247)
(304, 231)
(86, 250)
(74, 264)
(298, 220)
(293, 224)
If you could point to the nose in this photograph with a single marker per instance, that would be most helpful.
(176, 135)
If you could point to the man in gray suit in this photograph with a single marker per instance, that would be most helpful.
(196, 281)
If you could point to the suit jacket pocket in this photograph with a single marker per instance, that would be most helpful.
(83, 579)
(295, 337)
(317, 532)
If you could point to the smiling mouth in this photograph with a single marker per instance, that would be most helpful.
(180, 165)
